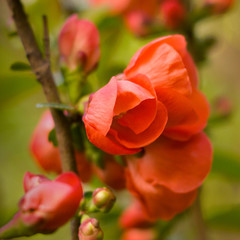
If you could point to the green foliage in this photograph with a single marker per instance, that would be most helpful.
(52, 137)
(20, 66)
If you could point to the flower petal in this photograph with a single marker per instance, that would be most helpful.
(179, 166)
(162, 64)
(186, 129)
(106, 143)
(157, 201)
(99, 113)
(129, 139)
(180, 108)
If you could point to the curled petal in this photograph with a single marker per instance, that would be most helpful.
(129, 139)
(106, 143)
(99, 112)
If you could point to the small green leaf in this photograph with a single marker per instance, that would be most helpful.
(12, 34)
(56, 106)
(52, 137)
(20, 66)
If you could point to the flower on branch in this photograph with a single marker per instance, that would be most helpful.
(46, 205)
(156, 95)
(78, 44)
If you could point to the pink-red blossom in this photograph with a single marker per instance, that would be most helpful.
(46, 205)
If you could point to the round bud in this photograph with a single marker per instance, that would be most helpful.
(104, 199)
(90, 230)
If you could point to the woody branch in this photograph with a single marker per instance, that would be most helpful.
(41, 68)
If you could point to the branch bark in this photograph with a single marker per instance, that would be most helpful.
(41, 68)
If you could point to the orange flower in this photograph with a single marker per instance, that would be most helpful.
(219, 6)
(46, 205)
(156, 94)
(78, 44)
(47, 156)
(172, 73)
(166, 178)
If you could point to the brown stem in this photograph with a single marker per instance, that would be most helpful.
(46, 41)
(198, 218)
(41, 68)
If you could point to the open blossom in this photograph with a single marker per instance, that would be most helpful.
(157, 94)
(78, 44)
(219, 6)
(166, 178)
(47, 156)
(173, 13)
(46, 205)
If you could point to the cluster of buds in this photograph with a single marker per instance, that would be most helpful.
(101, 200)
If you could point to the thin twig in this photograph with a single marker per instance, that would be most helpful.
(41, 68)
(46, 40)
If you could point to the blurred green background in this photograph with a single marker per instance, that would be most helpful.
(220, 76)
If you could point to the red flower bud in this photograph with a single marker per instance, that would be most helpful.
(219, 6)
(45, 206)
(173, 13)
(103, 199)
(90, 230)
(47, 156)
(79, 44)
